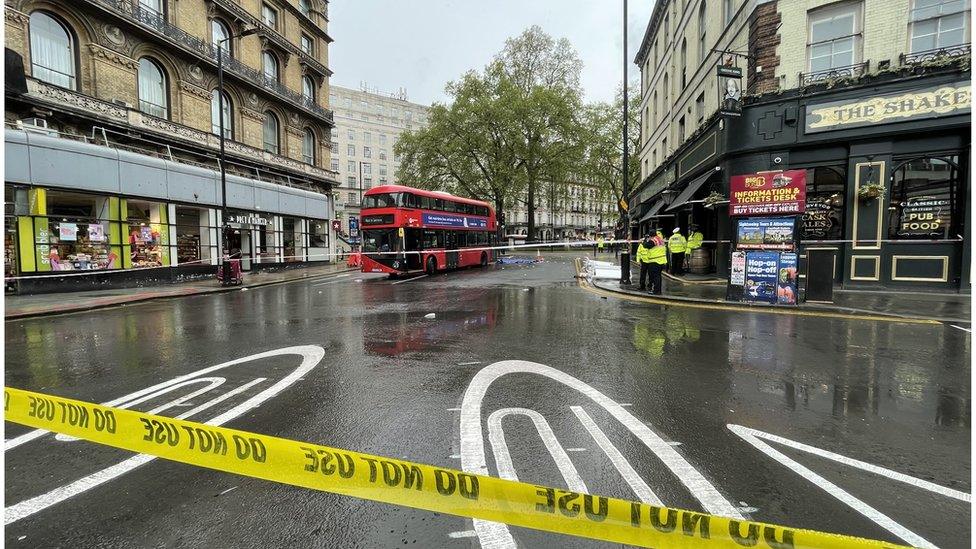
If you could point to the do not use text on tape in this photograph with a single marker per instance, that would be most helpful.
(405, 483)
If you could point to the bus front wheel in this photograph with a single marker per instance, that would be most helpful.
(431, 265)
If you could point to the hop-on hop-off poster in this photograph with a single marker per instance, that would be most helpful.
(766, 233)
(787, 279)
(762, 193)
(762, 270)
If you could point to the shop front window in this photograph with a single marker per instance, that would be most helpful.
(318, 234)
(195, 236)
(77, 233)
(148, 234)
(824, 215)
(289, 239)
(926, 199)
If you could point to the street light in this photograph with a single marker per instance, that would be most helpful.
(225, 229)
(625, 253)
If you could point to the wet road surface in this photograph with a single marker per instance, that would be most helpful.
(717, 387)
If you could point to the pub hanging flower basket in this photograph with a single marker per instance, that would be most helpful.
(714, 200)
(867, 193)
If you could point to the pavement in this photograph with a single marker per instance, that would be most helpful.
(823, 422)
(24, 306)
(934, 306)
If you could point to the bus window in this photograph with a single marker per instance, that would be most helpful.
(438, 204)
(449, 206)
(384, 200)
(426, 202)
(381, 240)
(410, 200)
(433, 240)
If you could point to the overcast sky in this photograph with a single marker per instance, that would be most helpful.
(422, 44)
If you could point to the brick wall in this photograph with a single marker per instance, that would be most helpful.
(763, 42)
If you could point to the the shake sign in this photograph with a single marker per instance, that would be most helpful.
(926, 103)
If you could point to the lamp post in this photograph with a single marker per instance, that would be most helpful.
(225, 226)
(625, 253)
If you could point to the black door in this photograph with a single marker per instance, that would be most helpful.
(452, 251)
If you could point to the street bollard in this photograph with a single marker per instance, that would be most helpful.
(625, 266)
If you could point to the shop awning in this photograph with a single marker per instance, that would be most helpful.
(652, 211)
(690, 191)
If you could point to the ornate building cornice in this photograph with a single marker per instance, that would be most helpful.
(193, 89)
(113, 57)
(14, 16)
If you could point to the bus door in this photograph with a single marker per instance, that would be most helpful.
(451, 245)
(412, 241)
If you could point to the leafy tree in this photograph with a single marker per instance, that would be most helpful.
(466, 147)
(545, 74)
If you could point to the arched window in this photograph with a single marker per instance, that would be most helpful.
(270, 132)
(219, 34)
(152, 88)
(155, 6)
(927, 200)
(308, 146)
(665, 106)
(270, 65)
(308, 88)
(215, 115)
(702, 22)
(52, 50)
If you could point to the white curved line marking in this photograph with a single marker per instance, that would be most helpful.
(213, 383)
(311, 356)
(503, 459)
(752, 437)
(633, 478)
(473, 459)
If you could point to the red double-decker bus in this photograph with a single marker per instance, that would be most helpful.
(407, 230)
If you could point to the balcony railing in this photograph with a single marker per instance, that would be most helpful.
(935, 54)
(65, 98)
(154, 21)
(850, 71)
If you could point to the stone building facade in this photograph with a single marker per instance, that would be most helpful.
(103, 77)
(368, 124)
(870, 97)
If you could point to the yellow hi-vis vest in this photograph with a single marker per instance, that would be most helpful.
(643, 253)
(659, 254)
(695, 240)
(677, 243)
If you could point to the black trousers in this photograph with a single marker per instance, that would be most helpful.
(655, 276)
(645, 273)
(677, 263)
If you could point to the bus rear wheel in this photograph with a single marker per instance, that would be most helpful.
(431, 265)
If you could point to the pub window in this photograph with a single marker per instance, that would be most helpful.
(824, 215)
(834, 36)
(939, 24)
(926, 199)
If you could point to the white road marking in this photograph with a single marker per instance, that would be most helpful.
(473, 458)
(506, 470)
(961, 328)
(575, 449)
(753, 437)
(409, 279)
(463, 534)
(637, 484)
(468, 363)
(142, 395)
(626, 404)
(455, 456)
(311, 356)
(227, 490)
(453, 409)
(214, 383)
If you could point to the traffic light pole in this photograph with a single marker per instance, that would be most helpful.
(625, 252)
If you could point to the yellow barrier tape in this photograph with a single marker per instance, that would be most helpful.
(405, 483)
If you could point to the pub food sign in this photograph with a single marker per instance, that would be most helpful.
(764, 193)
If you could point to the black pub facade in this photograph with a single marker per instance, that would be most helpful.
(887, 157)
